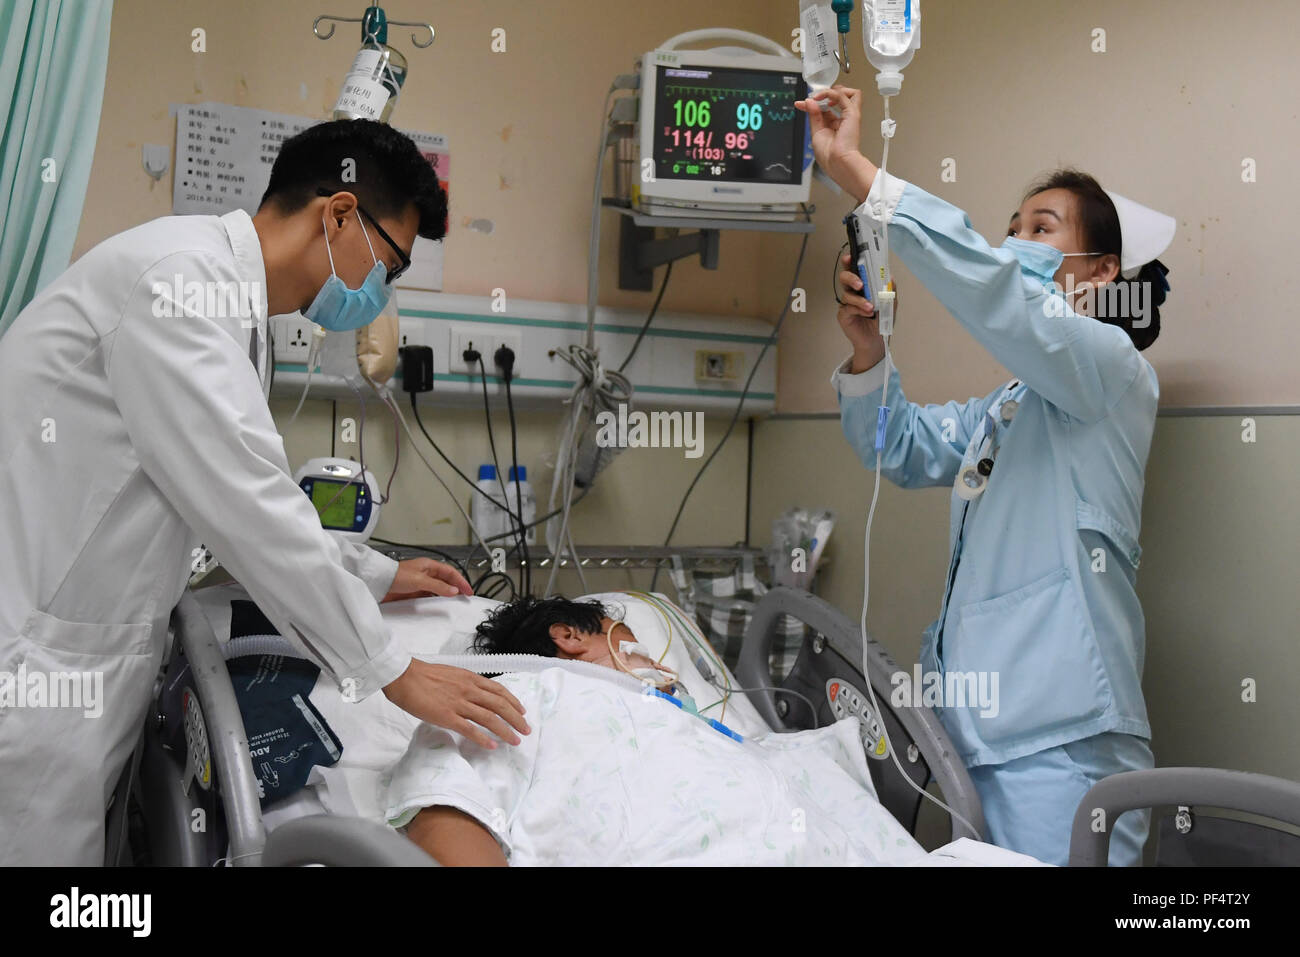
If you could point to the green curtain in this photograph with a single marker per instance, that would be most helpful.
(52, 66)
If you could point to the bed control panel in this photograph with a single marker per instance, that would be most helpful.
(847, 700)
(198, 754)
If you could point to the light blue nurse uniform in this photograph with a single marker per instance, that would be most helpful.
(1043, 565)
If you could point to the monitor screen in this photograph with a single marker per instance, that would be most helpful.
(726, 124)
(336, 509)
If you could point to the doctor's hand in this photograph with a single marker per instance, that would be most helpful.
(418, 577)
(835, 141)
(857, 318)
(459, 701)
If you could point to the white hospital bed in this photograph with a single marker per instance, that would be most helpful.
(335, 820)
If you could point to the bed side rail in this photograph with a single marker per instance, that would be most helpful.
(340, 842)
(844, 636)
(227, 740)
(1260, 794)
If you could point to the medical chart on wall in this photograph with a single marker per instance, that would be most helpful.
(223, 162)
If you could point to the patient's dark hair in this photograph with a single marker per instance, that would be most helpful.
(1099, 223)
(523, 626)
(391, 174)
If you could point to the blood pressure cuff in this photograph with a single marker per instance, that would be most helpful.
(287, 735)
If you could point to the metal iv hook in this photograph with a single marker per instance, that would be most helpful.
(315, 28)
(843, 11)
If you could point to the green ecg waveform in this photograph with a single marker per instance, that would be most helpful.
(713, 91)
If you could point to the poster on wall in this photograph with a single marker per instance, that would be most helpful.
(426, 255)
(224, 155)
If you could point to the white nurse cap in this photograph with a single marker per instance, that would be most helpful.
(1144, 233)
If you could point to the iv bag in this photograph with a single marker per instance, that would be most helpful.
(820, 68)
(891, 34)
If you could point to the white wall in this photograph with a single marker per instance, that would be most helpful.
(1009, 89)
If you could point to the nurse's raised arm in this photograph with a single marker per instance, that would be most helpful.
(1079, 364)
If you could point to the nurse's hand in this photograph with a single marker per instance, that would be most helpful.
(856, 318)
(459, 701)
(835, 140)
(419, 577)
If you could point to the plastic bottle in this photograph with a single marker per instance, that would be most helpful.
(891, 34)
(528, 500)
(488, 519)
(820, 68)
(370, 89)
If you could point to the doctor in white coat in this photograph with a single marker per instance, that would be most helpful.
(135, 426)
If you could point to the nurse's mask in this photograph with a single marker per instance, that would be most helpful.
(1039, 261)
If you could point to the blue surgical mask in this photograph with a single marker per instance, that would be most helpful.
(1039, 261)
(338, 308)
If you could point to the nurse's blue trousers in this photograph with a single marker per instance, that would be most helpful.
(1029, 803)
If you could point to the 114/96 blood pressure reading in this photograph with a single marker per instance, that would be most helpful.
(690, 130)
(720, 123)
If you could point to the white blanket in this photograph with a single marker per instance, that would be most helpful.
(609, 776)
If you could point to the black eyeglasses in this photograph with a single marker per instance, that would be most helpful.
(393, 274)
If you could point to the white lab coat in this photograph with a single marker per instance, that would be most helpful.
(126, 439)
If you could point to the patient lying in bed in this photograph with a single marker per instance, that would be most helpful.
(613, 776)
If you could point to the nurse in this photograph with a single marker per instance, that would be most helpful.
(1047, 473)
(135, 426)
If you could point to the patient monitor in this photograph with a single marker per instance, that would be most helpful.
(345, 496)
(718, 130)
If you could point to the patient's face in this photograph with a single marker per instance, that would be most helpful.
(589, 646)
